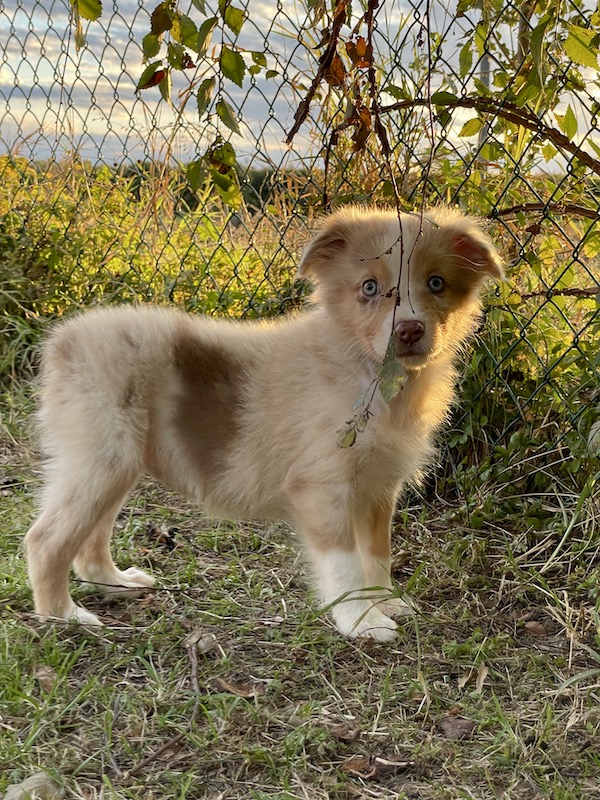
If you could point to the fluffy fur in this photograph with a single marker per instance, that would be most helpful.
(243, 416)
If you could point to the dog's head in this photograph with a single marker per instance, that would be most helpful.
(414, 278)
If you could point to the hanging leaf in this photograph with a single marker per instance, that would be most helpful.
(227, 115)
(346, 437)
(195, 173)
(151, 76)
(88, 9)
(232, 65)
(165, 86)
(472, 127)
(391, 374)
(567, 122)
(184, 30)
(465, 59)
(150, 46)
(204, 96)
(335, 73)
(581, 46)
(234, 18)
(205, 34)
(160, 20)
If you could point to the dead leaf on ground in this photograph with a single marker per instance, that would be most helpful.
(201, 640)
(238, 689)
(346, 730)
(372, 767)
(457, 727)
(535, 628)
(40, 786)
(478, 676)
(46, 677)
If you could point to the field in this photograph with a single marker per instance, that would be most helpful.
(225, 681)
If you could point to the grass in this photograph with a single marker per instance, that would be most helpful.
(226, 683)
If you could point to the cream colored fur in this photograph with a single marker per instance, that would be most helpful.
(243, 416)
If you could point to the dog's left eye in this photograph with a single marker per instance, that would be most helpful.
(436, 284)
(370, 288)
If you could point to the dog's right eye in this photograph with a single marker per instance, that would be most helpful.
(370, 288)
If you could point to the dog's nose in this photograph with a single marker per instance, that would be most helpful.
(410, 331)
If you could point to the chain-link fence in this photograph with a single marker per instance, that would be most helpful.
(486, 109)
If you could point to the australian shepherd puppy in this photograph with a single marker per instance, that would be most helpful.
(245, 417)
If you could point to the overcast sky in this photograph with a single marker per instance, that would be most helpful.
(53, 99)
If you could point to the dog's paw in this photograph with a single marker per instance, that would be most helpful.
(370, 624)
(395, 607)
(112, 581)
(73, 613)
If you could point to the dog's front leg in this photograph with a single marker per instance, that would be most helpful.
(373, 523)
(324, 520)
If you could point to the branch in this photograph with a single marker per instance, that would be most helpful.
(339, 17)
(511, 113)
(556, 208)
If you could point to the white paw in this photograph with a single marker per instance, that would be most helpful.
(73, 613)
(395, 607)
(127, 582)
(83, 617)
(366, 622)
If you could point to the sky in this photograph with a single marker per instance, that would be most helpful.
(54, 100)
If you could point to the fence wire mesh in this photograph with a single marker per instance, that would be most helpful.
(96, 203)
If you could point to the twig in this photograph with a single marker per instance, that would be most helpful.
(511, 113)
(555, 208)
(137, 768)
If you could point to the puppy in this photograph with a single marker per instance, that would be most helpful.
(245, 417)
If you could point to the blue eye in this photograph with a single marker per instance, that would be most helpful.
(370, 288)
(436, 284)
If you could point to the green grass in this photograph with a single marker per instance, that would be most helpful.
(504, 637)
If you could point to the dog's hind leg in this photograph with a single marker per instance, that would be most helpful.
(94, 563)
(75, 504)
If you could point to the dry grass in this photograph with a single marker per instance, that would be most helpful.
(226, 682)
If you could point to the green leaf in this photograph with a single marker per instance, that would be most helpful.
(465, 59)
(175, 53)
(205, 93)
(480, 39)
(232, 65)
(391, 374)
(88, 9)
(472, 127)
(271, 73)
(537, 46)
(205, 34)
(549, 151)
(185, 31)
(227, 186)
(165, 86)
(234, 18)
(443, 98)
(227, 115)
(195, 173)
(150, 46)
(200, 5)
(346, 436)
(581, 46)
(151, 75)
(567, 122)
(259, 58)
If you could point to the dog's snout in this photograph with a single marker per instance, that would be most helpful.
(410, 331)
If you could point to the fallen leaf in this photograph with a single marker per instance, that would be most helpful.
(201, 640)
(482, 674)
(345, 731)
(238, 689)
(457, 727)
(535, 628)
(46, 677)
(40, 786)
(371, 767)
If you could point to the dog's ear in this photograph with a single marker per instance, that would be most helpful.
(475, 250)
(326, 247)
